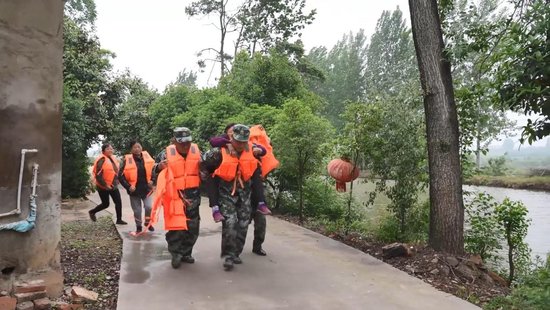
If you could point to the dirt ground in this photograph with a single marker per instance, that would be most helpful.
(90, 253)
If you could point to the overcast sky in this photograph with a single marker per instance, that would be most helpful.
(156, 39)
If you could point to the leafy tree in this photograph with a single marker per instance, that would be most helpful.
(188, 79)
(257, 114)
(265, 23)
(298, 138)
(89, 94)
(132, 120)
(391, 66)
(390, 139)
(263, 79)
(447, 210)
(74, 174)
(472, 32)
(208, 115)
(174, 101)
(512, 217)
(523, 66)
(344, 70)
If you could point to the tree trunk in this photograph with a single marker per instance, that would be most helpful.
(301, 196)
(446, 205)
(223, 31)
(478, 153)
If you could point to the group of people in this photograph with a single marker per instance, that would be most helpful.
(232, 172)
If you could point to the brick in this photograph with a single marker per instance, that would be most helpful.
(7, 303)
(21, 297)
(30, 286)
(70, 306)
(26, 305)
(42, 304)
(80, 293)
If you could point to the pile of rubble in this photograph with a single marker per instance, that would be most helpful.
(32, 295)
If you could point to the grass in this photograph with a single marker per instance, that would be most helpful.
(516, 182)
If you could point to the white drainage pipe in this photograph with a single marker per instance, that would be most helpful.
(17, 210)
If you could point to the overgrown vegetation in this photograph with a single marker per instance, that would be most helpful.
(495, 226)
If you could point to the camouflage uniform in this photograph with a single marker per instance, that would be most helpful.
(236, 209)
(181, 242)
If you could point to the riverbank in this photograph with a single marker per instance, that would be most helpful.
(540, 183)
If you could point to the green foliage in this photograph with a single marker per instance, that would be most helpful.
(265, 23)
(344, 68)
(299, 135)
(512, 217)
(322, 201)
(472, 31)
(482, 235)
(389, 136)
(491, 225)
(391, 61)
(417, 228)
(523, 66)
(89, 94)
(132, 117)
(75, 175)
(257, 114)
(532, 293)
(497, 166)
(208, 115)
(263, 79)
(163, 110)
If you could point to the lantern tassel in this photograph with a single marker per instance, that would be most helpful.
(340, 186)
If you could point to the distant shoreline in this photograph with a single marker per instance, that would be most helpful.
(515, 182)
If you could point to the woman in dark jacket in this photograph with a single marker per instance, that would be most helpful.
(135, 176)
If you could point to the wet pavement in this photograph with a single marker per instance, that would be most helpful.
(303, 270)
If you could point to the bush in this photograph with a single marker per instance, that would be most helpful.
(490, 224)
(320, 201)
(416, 230)
(532, 292)
(482, 232)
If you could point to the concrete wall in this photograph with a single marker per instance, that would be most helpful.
(31, 82)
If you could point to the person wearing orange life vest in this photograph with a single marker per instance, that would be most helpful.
(229, 190)
(135, 176)
(259, 138)
(182, 157)
(104, 172)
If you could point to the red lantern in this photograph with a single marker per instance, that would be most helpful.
(342, 170)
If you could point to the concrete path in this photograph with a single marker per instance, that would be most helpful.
(303, 270)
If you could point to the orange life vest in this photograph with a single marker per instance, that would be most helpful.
(233, 168)
(184, 170)
(168, 197)
(108, 169)
(131, 170)
(268, 162)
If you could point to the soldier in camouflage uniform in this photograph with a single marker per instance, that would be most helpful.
(229, 192)
(181, 242)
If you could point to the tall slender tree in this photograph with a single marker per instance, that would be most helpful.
(446, 204)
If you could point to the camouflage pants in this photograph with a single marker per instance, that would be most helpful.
(260, 224)
(182, 241)
(236, 210)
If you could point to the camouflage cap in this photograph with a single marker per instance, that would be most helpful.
(182, 134)
(241, 133)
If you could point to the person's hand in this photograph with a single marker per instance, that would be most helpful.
(150, 185)
(163, 164)
(257, 151)
(110, 188)
(132, 189)
(231, 149)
